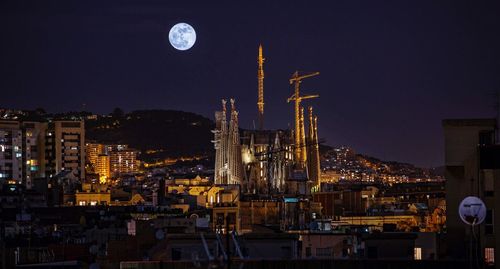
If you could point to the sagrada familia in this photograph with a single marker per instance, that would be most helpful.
(268, 161)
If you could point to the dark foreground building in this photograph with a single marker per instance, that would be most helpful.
(472, 168)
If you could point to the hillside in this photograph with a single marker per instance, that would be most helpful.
(162, 133)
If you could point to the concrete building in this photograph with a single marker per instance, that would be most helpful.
(472, 167)
(426, 246)
(119, 157)
(397, 246)
(22, 151)
(103, 168)
(259, 212)
(65, 147)
(123, 161)
(226, 210)
(10, 151)
(188, 247)
(92, 151)
(317, 245)
(93, 195)
(33, 145)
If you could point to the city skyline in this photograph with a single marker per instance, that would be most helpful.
(388, 75)
(153, 134)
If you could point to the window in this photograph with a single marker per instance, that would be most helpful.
(489, 193)
(489, 190)
(486, 138)
(488, 222)
(231, 218)
(417, 253)
(489, 256)
(220, 218)
(308, 252)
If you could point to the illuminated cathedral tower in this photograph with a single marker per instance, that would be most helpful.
(313, 159)
(228, 164)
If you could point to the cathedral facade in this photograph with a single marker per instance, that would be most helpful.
(228, 164)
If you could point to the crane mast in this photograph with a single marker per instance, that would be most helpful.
(296, 79)
(260, 78)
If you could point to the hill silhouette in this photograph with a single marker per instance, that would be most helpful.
(162, 133)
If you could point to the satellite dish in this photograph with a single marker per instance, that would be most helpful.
(160, 234)
(472, 210)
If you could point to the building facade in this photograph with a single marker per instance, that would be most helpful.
(267, 156)
(228, 163)
(31, 149)
(103, 168)
(65, 147)
(472, 168)
(92, 151)
(123, 161)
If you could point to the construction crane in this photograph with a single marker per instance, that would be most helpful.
(297, 79)
(260, 78)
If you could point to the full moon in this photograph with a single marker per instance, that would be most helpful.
(182, 36)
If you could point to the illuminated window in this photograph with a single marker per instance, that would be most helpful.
(417, 253)
(82, 203)
(489, 255)
(93, 203)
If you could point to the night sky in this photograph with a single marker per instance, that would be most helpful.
(390, 70)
